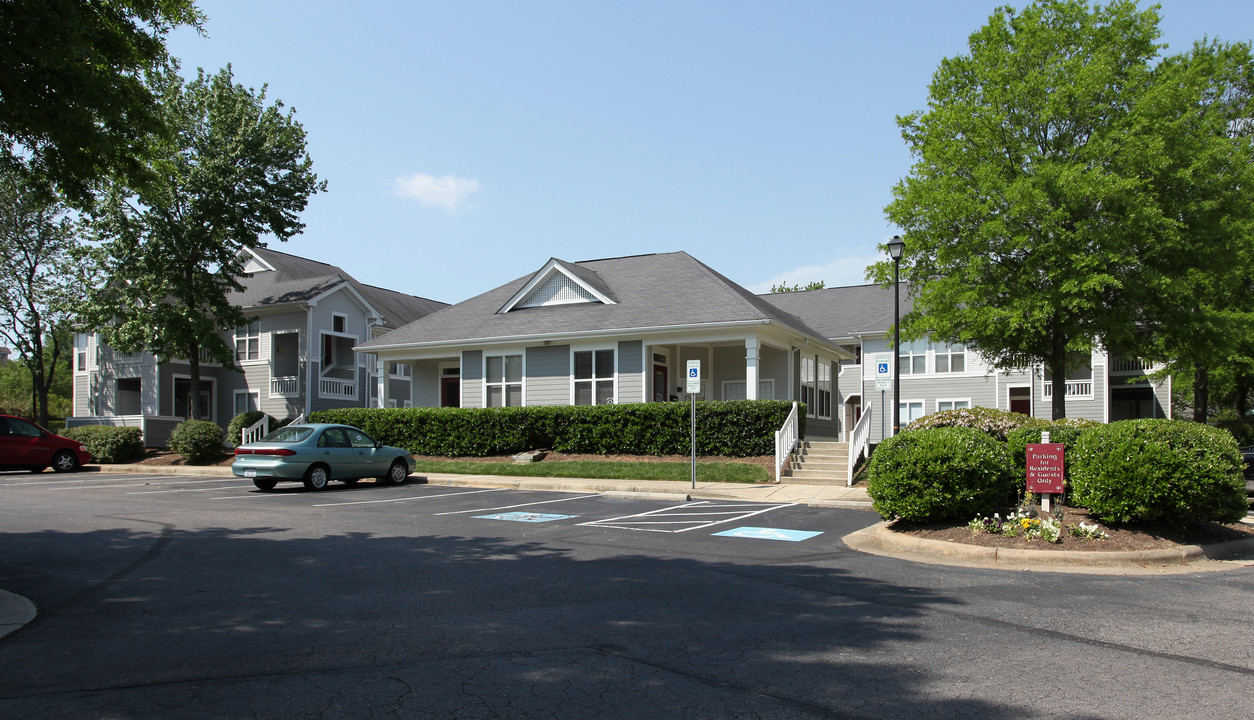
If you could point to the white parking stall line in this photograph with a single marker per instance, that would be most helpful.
(692, 511)
(411, 497)
(511, 507)
(181, 490)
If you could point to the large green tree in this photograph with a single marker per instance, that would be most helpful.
(1035, 214)
(234, 172)
(74, 106)
(41, 280)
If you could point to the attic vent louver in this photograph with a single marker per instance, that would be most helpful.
(558, 289)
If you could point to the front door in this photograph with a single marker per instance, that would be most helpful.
(660, 386)
(450, 392)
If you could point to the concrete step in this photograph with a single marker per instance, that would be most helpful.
(810, 477)
(831, 467)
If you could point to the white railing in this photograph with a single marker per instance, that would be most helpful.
(786, 439)
(284, 386)
(299, 419)
(1130, 366)
(256, 431)
(859, 442)
(1075, 388)
(330, 387)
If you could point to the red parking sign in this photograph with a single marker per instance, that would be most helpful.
(1046, 464)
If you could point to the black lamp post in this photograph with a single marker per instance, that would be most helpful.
(895, 247)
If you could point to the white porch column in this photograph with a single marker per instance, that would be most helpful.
(383, 382)
(752, 347)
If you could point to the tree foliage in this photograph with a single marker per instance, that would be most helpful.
(783, 288)
(1048, 200)
(42, 272)
(73, 103)
(234, 171)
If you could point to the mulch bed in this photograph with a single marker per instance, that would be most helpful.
(1122, 537)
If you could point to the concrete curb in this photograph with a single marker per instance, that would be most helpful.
(879, 540)
(15, 612)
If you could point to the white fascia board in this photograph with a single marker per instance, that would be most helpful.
(259, 260)
(541, 277)
(371, 312)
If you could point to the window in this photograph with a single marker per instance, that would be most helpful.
(402, 370)
(81, 360)
(735, 390)
(503, 378)
(953, 405)
(951, 358)
(339, 323)
(913, 357)
(808, 390)
(909, 410)
(247, 343)
(247, 400)
(594, 377)
(824, 395)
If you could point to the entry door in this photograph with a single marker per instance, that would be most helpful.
(661, 387)
(450, 392)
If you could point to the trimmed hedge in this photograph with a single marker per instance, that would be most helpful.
(197, 441)
(108, 444)
(1164, 471)
(996, 423)
(738, 428)
(945, 473)
(1066, 431)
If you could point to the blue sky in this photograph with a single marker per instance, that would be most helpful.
(465, 143)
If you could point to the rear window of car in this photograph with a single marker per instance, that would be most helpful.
(289, 434)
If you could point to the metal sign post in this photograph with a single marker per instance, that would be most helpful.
(693, 387)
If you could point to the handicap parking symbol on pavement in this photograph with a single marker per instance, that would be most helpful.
(761, 533)
(525, 517)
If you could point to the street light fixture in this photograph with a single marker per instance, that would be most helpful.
(896, 247)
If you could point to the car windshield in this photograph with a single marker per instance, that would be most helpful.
(289, 434)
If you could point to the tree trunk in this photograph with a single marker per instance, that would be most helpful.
(193, 399)
(1243, 394)
(1058, 374)
(1201, 393)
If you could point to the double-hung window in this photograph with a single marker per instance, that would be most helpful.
(594, 377)
(824, 395)
(504, 380)
(247, 343)
(808, 386)
(951, 358)
(913, 357)
(953, 405)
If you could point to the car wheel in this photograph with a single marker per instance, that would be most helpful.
(265, 483)
(317, 477)
(64, 461)
(397, 473)
(350, 481)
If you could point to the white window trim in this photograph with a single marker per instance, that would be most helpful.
(966, 365)
(593, 349)
(401, 376)
(832, 387)
(256, 394)
(503, 353)
(953, 400)
(335, 315)
(811, 407)
(907, 361)
(908, 402)
(235, 339)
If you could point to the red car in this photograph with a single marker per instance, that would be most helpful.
(26, 446)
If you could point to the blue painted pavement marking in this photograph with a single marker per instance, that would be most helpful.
(761, 533)
(525, 517)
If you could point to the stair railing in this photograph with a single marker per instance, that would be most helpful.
(786, 439)
(859, 442)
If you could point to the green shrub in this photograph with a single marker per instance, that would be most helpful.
(243, 421)
(996, 423)
(197, 441)
(1159, 471)
(946, 473)
(1241, 428)
(1066, 431)
(108, 444)
(736, 428)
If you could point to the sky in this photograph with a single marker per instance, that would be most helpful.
(465, 143)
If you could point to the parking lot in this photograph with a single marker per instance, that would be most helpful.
(193, 597)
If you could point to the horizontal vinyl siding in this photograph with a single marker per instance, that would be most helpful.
(548, 375)
(630, 371)
(472, 378)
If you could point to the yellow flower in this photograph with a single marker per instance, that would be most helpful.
(1026, 523)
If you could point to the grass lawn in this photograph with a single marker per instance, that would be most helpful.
(605, 469)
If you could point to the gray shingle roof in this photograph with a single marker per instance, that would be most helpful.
(651, 291)
(843, 312)
(297, 280)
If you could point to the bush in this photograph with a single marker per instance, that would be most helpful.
(1066, 431)
(1241, 428)
(1158, 471)
(996, 423)
(947, 473)
(108, 444)
(736, 428)
(197, 441)
(241, 422)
